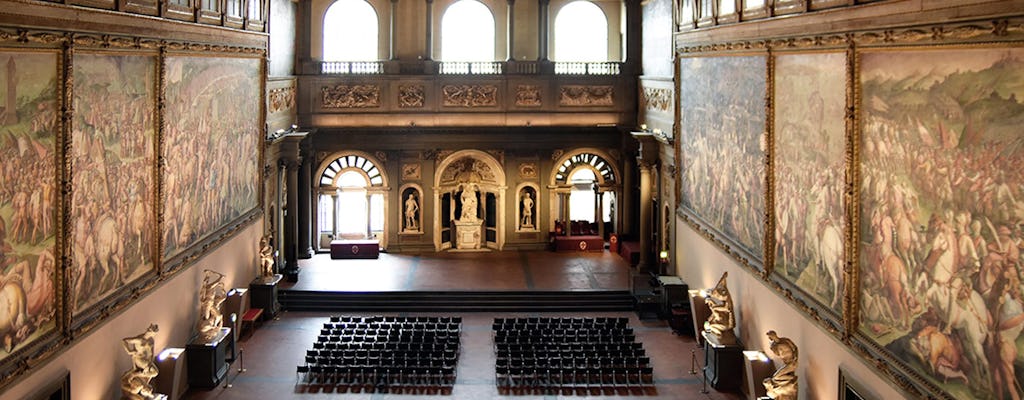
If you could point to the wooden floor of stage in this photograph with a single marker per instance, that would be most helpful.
(466, 271)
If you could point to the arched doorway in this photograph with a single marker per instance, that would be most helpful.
(351, 199)
(584, 192)
(469, 202)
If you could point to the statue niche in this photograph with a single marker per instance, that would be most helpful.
(469, 191)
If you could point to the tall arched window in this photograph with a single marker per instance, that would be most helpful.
(351, 203)
(350, 31)
(467, 32)
(581, 33)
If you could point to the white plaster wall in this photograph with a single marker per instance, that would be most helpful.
(759, 309)
(97, 360)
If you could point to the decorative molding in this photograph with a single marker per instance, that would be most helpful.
(977, 31)
(655, 99)
(282, 99)
(350, 96)
(586, 95)
(556, 154)
(528, 96)
(411, 96)
(470, 96)
(381, 156)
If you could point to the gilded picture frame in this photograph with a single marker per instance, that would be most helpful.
(811, 137)
(722, 157)
(33, 237)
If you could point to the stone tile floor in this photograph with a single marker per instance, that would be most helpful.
(272, 352)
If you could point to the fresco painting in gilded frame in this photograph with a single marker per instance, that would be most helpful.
(29, 104)
(809, 174)
(941, 215)
(722, 146)
(211, 140)
(112, 135)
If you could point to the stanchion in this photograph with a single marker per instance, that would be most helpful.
(704, 382)
(693, 362)
(241, 360)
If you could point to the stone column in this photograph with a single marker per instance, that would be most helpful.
(645, 161)
(291, 161)
(429, 49)
(511, 30)
(393, 30)
(542, 30)
(304, 208)
(600, 214)
(634, 29)
(369, 224)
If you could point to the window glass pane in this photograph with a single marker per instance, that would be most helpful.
(351, 179)
(467, 32)
(352, 213)
(581, 33)
(325, 214)
(350, 31)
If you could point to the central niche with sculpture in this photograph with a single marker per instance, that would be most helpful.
(470, 202)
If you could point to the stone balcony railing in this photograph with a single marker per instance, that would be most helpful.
(439, 94)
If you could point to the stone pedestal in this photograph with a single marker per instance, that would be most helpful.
(468, 234)
(263, 292)
(723, 365)
(207, 363)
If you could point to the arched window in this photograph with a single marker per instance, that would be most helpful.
(467, 32)
(581, 33)
(350, 31)
(351, 203)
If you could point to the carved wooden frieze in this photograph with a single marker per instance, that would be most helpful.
(410, 96)
(470, 95)
(585, 95)
(655, 99)
(528, 96)
(282, 99)
(350, 96)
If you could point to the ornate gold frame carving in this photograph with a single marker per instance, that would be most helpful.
(973, 34)
(64, 45)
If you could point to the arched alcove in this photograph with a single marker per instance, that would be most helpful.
(588, 179)
(469, 205)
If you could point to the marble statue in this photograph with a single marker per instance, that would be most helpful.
(211, 296)
(411, 207)
(719, 326)
(135, 382)
(266, 258)
(469, 206)
(527, 221)
(782, 385)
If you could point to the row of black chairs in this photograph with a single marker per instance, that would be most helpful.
(381, 353)
(522, 323)
(392, 318)
(535, 353)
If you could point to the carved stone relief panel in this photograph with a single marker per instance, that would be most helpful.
(528, 170)
(410, 172)
(350, 96)
(470, 95)
(468, 169)
(410, 96)
(584, 95)
(655, 99)
(528, 96)
(282, 99)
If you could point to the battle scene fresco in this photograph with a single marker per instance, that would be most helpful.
(723, 145)
(112, 154)
(942, 213)
(211, 135)
(28, 197)
(810, 146)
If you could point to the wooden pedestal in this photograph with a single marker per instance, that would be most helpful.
(263, 294)
(723, 365)
(207, 363)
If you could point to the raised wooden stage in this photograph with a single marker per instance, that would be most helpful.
(355, 249)
(520, 280)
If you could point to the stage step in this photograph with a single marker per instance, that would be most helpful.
(508, 301)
